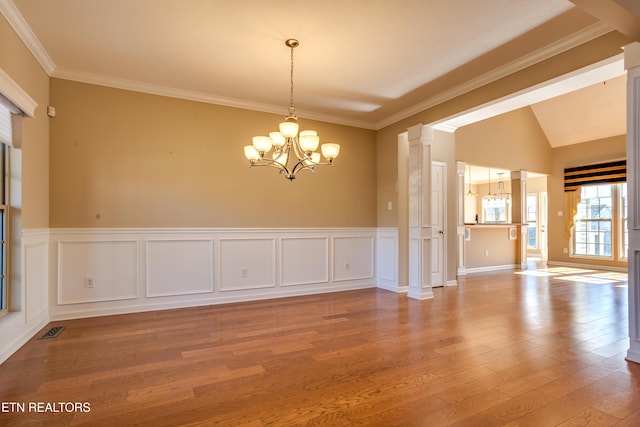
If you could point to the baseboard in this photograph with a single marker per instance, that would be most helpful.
(491, 268)
(589, 266)
(633, 356)
(393, 288)
(81, 312)
(38, 322)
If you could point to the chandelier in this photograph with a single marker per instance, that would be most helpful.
(293, 151)
(501, 193)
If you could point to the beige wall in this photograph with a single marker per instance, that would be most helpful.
(598, 151)
(444, 150)
(598, 49)
(16, 60)
(589, 53)
(126, 159)
(489, 247)
(512, 141)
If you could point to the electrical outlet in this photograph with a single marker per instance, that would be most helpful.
(565, 250)
(244, 272)
(88, 282)
(486, 252)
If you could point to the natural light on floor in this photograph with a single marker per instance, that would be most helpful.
(577, 275)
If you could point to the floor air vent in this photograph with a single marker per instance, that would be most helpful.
(52, 333)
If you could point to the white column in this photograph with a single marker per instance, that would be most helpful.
(420, 233)
(519, 214)
(632, 64)
(460, 167)
(403, 212)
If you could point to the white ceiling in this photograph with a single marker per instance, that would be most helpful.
(365, 63)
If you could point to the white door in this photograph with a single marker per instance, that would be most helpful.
(438, 223)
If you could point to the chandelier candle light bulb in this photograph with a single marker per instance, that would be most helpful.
(292, 151)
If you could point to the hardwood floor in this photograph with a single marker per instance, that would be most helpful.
(545, 348)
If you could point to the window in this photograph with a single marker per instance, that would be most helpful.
(4, 162)
(532, 221)
(6, 138)
(494, 210)
(600, 223)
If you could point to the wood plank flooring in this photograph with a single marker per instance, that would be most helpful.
(544, 348)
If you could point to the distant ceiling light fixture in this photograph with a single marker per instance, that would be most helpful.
(470, 193)
(501, 193)
(288, 142)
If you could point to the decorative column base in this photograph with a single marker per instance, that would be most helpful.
(420, 293)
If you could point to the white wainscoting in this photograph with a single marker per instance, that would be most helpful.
(134, 270)
(247, 263)
(29, 307)
(387, 260)
(97, 271)
(179, 267)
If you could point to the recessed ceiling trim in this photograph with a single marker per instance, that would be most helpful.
(590, 33)
(579, 79)
(16, 20)
(171, 92)
(20, 26)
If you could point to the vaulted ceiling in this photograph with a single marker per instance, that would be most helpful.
(365, 63)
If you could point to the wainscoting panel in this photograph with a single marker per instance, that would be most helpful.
(387, 259)
(35, 278)
(304, 261)
(28, 292)
(353, 258)
(91, 271)
(135, 270)
(247, 264)
(179, 267)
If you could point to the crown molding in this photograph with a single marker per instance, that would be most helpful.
(592, 32)
(171, 92)
(20, 26)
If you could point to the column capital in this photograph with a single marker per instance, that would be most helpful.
(460, 168)
(632, 56)
(521, 174)
(420, 134)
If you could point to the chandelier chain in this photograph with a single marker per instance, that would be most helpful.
(292, 109)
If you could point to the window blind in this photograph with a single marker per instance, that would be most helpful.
(5, 125)
(600, 173)
(9, 121)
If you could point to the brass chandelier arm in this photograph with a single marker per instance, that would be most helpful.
(292, 173)
(273, 164)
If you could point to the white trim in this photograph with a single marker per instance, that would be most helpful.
(393, 288)
(23, 30)
(20, 26)
(589, 266)
(491, 268)
(14, 93)
(225, 263)
(577, 39)
(191, 95)
(33, 327)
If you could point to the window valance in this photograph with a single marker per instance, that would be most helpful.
(601, 173)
